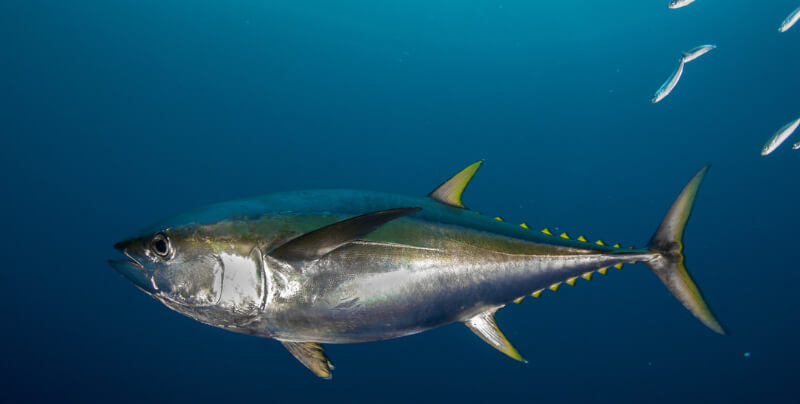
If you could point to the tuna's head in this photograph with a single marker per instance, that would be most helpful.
(187, 269)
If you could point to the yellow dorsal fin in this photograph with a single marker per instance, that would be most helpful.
(519, 300)
(564, 235)
(554, 287)
(537, 293)
(524, 226)
(600, 242)
(571, 281)
(581, 238)
(603, 270)
(547, 231)
(587, 276)
(498, 218)
(450, 191)
(617, 245)
(618, 266)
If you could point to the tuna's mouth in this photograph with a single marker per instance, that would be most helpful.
(134, 271)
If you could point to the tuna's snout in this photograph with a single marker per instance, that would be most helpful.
(122, 245)
(131, 268)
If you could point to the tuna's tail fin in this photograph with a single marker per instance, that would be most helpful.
(669, 264)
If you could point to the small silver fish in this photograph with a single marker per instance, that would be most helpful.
(679, 3)
(669, 85)
(796, 146)
(695, 53)
(780, 136)
(790, 20)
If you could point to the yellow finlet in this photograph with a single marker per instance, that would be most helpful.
(617, 245)
(450, 191)
(600, 242)
(554, 287)
(603, 270)
(519, 300)
(587, 276)
(524, 226)
(547, 231)
(498, 218)
(537, 293)
(571, 281)
(581, 238)
(564, 235)
(618, 266)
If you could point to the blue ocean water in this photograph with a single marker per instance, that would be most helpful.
(119, 113)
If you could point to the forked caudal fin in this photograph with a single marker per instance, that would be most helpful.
(669, 265)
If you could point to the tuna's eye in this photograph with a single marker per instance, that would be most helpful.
(160, 245)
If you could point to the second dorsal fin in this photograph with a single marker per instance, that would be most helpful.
(450, 191)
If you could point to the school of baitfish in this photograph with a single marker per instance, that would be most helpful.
(783, 133)
(342, 266)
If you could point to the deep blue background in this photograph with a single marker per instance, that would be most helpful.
(118, 113)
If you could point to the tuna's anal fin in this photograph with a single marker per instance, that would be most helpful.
(485, 327)
(315, 244)
(669, 264)
(450, 191)
(312, 356)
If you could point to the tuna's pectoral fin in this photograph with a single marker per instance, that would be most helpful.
(312, 356)
(315, 244)
(485, 327)
(450, 192)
